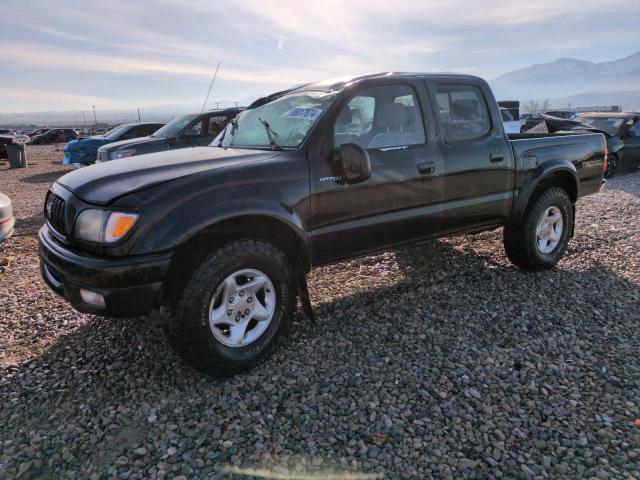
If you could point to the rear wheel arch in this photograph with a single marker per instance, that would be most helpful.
(562, 178)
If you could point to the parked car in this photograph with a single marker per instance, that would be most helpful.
(531, 120)
(565, 114)
(55, 135)
(7, 221)
(191, 130)
(622, 127)
(84, 150)
(39, 131)
(511, 125)
(221, 236)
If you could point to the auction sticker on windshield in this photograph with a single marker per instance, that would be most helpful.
(303, 113)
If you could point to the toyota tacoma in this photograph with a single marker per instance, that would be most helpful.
(220, 237)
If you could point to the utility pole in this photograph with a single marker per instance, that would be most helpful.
(236, 103)
(217, 105)
(84, 120)
(75, 116)
(95, 119)
(138, 114)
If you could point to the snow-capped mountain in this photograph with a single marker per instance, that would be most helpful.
(569, 76)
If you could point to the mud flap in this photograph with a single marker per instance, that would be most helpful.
(303, 295)
(573, 223)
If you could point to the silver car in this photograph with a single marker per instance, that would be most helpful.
(7, 221)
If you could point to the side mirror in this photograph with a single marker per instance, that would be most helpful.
(354, 162)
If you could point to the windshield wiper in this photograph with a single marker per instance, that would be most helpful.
(271, 134)
(234, 126)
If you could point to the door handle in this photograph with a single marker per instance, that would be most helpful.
(497, 157)
(426, 169)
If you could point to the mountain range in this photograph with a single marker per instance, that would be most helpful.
(580, 82)
(566, 81)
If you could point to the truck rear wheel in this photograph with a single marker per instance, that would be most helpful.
(234, 308)
(540, 239)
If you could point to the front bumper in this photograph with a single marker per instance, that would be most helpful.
(131, 286)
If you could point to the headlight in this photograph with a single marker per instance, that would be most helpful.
(122, 154)
(103, 226)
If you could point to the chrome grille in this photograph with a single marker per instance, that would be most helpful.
(54, 212)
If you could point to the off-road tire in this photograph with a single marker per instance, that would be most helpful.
(185, 320)
(520, 238)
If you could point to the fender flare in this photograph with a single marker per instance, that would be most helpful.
(560, 169)
(198, 220)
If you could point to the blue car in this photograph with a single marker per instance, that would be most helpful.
(85, 150)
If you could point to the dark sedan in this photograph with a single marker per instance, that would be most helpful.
(624, 127)
(192, 130)
(55, 135)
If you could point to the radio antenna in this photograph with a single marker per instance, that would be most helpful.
(210, 86)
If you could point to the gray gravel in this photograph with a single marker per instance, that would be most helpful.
(440, 361)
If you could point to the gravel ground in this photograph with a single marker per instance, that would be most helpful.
(435, 361)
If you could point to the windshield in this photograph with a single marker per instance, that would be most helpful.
(174, 127)
(607, 125)
(288, 118)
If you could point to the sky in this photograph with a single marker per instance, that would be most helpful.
(73, 54)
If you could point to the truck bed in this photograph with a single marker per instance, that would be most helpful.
(536, 152)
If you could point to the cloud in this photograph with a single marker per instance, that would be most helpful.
(90, 45)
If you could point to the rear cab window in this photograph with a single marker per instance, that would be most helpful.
(463, 112)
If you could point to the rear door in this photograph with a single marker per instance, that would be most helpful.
(387, 120)
(479, 169)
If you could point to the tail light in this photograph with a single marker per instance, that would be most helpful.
(606, 155)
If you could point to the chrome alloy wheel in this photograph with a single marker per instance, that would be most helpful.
(549, 230)
(242, 308)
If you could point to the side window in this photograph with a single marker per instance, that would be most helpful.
(195, 129)
(133, 132)
(636, 128)
(216, 124)
(463, 112)
(381, 117)
(146, 130)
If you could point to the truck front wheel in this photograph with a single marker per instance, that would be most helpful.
(234, 308)
(541, 237)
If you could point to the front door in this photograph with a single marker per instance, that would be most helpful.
(388, 122)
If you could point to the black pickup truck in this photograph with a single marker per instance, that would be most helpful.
(221, 236)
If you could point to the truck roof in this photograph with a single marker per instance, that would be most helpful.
(334, 83)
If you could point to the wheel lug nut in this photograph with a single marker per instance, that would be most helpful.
(249, 300)
(229, 312)
(247, 311)
(231, 300)
(241, 294)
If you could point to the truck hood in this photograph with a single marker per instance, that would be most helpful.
(102, 183)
